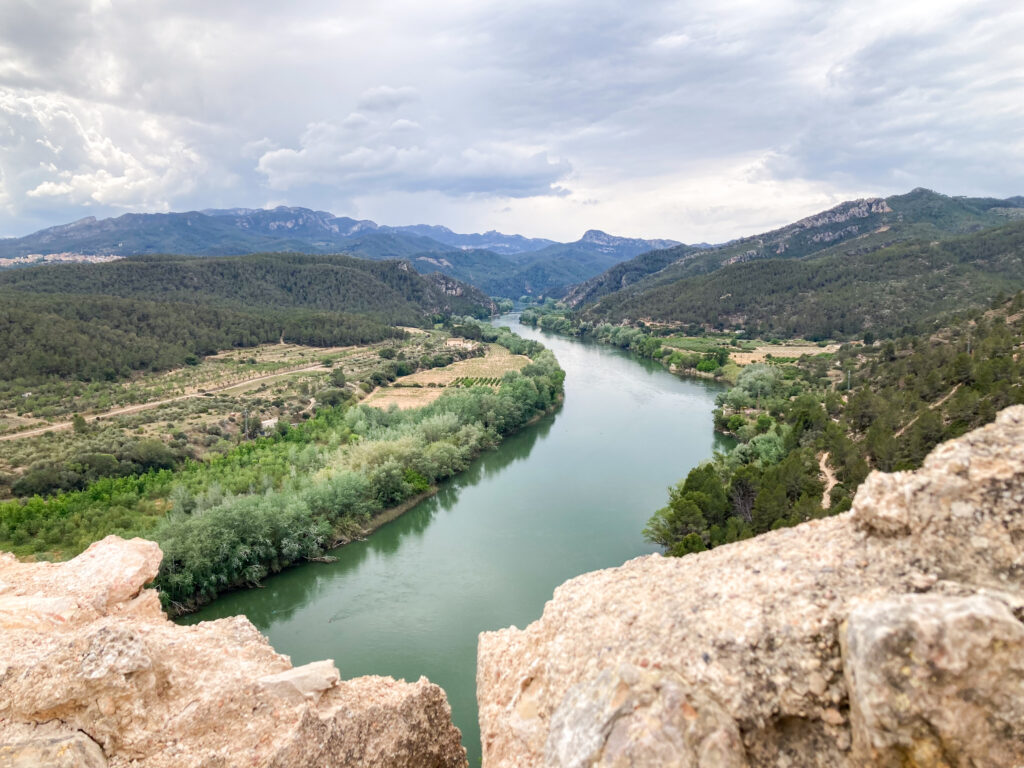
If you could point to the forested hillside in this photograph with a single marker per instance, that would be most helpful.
(91, 337)
(551, 270)
(152, 313)
(810, 430)
(854, 228)
(888, 290)
(390, 291)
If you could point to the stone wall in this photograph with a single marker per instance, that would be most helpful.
(891, 635)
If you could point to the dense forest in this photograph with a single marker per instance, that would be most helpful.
(105, 321)
(90, 337)
(388, 291)
(288, 497)
(877, 405)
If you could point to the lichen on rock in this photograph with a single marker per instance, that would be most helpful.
(93, 673)
(890, 635)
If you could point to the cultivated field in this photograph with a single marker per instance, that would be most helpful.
(197, 410)
(419, 389)
(760, 354)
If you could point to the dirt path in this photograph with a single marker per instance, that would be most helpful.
(830, 480)
(157, 403)
(931, 407)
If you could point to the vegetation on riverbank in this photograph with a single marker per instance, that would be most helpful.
(689, 350)
(286, 498)
(159, 420)
(882, 405)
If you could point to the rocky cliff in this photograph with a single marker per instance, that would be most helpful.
(891, 635)
(93, 674)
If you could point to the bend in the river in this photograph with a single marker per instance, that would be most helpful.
(567, 495)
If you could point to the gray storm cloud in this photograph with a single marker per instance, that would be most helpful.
(686, 120)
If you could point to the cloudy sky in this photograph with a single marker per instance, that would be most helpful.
(691, 120)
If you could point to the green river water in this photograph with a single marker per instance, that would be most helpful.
(568, 495)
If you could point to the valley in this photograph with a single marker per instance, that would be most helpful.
(260, 416)
(561, 497)
(511, 385)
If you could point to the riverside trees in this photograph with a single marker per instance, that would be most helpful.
(281, 499)
(886, 407)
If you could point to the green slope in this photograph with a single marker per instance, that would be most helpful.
(389, 291)
(837, 294)
(855, 227)
(104, 321)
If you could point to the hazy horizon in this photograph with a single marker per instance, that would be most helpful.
(663, 120)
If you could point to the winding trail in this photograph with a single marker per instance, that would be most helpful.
(931, 407)
(157, 403)
(830, 480)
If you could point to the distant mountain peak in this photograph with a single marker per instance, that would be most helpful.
(599, 237)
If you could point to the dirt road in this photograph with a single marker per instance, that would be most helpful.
(157, 403)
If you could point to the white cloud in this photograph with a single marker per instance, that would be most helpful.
(328, 156)
(384, 98)
(473, 106)
(69, 153)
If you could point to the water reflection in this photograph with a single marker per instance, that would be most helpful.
(564, 496)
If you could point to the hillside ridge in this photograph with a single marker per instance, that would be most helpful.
(499, 264)
(864, 225)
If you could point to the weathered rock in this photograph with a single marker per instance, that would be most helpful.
(85, 645)
(749, 637)
(630, 716)
(305, 682)
(936, 681)
(50, 745)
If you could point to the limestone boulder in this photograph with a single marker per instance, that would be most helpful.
(736, 656)
(48, 744)
(936, 681)
(83, 644)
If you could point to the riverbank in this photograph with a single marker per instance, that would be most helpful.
(398, 510)
(345, 534)
(282, 500)
(646, 347)
(177, 610)
(566, 496)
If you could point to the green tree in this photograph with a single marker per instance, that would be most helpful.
(674, 522)
(690, 543)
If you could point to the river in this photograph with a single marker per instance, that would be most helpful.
(567, 495)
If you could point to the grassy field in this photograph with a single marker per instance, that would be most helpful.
(424, 387)
(746, 351)
(707, 343)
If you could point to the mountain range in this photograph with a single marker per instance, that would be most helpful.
(884, 263)
(501, 265)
